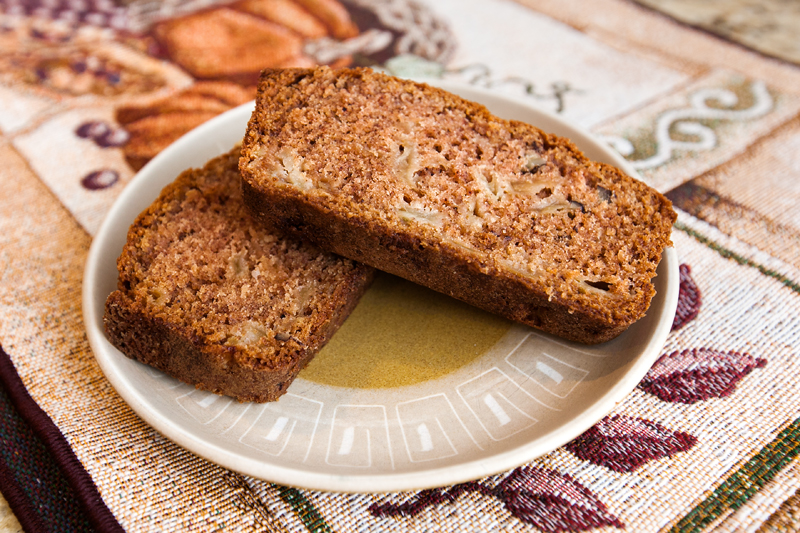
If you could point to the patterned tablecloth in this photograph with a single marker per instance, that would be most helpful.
(90, 90)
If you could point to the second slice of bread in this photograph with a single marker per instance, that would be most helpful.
(423, 184)
(208, 296)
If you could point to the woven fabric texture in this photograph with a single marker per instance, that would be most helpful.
(91, 91)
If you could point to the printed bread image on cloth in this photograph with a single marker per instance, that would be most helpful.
(155, 125)
(207, 296)
(235, 41)
(420, 183)
(224, 48)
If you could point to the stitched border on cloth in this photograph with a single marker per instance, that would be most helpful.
(51, 439)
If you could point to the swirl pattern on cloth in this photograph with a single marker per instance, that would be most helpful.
(686, 122)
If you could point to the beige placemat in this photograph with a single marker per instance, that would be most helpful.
(707, 440)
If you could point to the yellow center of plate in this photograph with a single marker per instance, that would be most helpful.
(401, 334)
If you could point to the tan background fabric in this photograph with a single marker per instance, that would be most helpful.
(620, 67)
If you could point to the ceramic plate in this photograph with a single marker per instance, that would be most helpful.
(416, 390)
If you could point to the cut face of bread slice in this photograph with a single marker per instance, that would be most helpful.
(211, 298)
(423, 184)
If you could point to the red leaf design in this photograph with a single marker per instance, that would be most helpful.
(698, 374)
(689, 299)
(428, 498)
(550, 501)
(553, 502)
(623, 443)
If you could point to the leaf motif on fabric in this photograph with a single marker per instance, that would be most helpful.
(697, 374)
(689, 299)
(623, 443)
(553, 502)
(428, 498)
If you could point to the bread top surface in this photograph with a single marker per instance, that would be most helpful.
(508, 197)
(196, 262)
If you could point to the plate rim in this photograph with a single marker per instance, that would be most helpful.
(353, 483)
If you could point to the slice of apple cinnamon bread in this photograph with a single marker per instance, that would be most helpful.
(418, 182)
(208, 296)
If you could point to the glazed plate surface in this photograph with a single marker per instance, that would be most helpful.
(416, 390)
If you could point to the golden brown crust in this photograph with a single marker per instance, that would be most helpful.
(423, 184)
(210, 298)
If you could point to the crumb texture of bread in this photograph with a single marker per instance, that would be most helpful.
(418, 182)
(208, 296)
